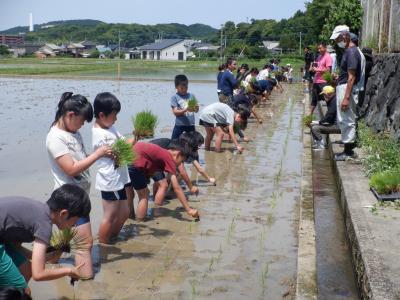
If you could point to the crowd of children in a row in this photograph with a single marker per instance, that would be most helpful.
(24, 220)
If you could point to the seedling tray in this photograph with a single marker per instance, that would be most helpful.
(385, 197)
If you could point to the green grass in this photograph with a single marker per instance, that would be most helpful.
(382, 152)
(67, 66)
(123, 152)
(386, 182)
(144, 124)
(308, 119)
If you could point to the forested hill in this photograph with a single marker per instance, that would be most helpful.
(131, 35)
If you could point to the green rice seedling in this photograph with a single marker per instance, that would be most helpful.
(193, 284)
(327, 76)
(192, 104)
(264, 275)
(386, 182)
(66, 240)
(124, 154)
(144, 124)
(308, 119)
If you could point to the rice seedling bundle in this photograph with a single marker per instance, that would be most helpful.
(386, 182)
(192, 104)
(124, 154)
(66, 240)
(308, 119)
(144, 124)
(327, 76)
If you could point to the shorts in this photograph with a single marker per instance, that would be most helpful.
(316, 91)
(114, 196)
(10, 260)
(139, 180)
(206, 124)
(158, 176)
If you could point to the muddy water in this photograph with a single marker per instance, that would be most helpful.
(335, 275)
(245, 245)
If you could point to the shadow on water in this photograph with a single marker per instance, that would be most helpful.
(335, 276)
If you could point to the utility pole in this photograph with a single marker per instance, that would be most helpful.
(119, 44)
(222, 32)
(300, 45)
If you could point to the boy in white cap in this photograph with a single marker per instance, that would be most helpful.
(350, 83)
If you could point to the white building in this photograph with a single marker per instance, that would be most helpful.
(167, 49)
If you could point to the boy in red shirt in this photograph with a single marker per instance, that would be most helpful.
(150, 159)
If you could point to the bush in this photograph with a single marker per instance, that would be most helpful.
(382, 152)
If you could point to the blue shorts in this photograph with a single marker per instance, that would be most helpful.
(114, 196)
(139, 180)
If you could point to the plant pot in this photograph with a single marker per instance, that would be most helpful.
(385, 197)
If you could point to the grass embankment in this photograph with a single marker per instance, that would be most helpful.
(109, 67)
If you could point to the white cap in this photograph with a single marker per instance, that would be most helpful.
(338, 30)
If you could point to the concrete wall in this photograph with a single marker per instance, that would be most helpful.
(171, 53)
(381, 25)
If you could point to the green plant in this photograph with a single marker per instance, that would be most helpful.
(144, 124)
(124, 154)
(327, 76)
(386, 182)
(66, 240)
(308, 119)
(192, 104)
(382, 152)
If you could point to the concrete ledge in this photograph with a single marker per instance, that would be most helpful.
(374, 238)
(306, 286)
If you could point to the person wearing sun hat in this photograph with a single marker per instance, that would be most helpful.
(350, 83)
(328, 123)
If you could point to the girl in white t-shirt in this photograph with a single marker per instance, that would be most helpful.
(70, 162)
(110, 180)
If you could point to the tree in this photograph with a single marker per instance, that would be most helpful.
(343, 12)
(4, 50)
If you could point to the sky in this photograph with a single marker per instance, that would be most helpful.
(210, 12)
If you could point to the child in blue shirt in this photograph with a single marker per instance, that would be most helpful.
(185, 120)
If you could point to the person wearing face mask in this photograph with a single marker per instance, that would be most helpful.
(349, 84)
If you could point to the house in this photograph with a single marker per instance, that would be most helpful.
(25, 49)
(166, 49)
(48, 50)
(272, 46)
(89, 45)
(75, 49)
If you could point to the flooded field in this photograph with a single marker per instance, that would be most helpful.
(244, 246)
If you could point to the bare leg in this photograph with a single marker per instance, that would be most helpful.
(218, 140)
(143, 195)
(130, 195)
(123, 214)
(209, 137)
(85, 255)
(110, 214)
(161, 191)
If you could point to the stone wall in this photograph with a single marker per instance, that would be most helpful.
(382, 100)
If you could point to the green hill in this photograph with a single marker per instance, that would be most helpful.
(132, 35)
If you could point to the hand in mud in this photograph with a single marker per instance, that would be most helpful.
(260, 121)
(194, 213)
(240, 149)
(246, 139)
(74, 273)
(194, 190)
(213, 181)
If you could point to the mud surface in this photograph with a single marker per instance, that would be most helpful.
(244, 246)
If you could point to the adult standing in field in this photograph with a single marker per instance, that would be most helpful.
(308, 60)
(70, 163)
(350, 83)
(322, 64)
(228, 82)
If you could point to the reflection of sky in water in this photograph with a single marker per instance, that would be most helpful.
(28, 108)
